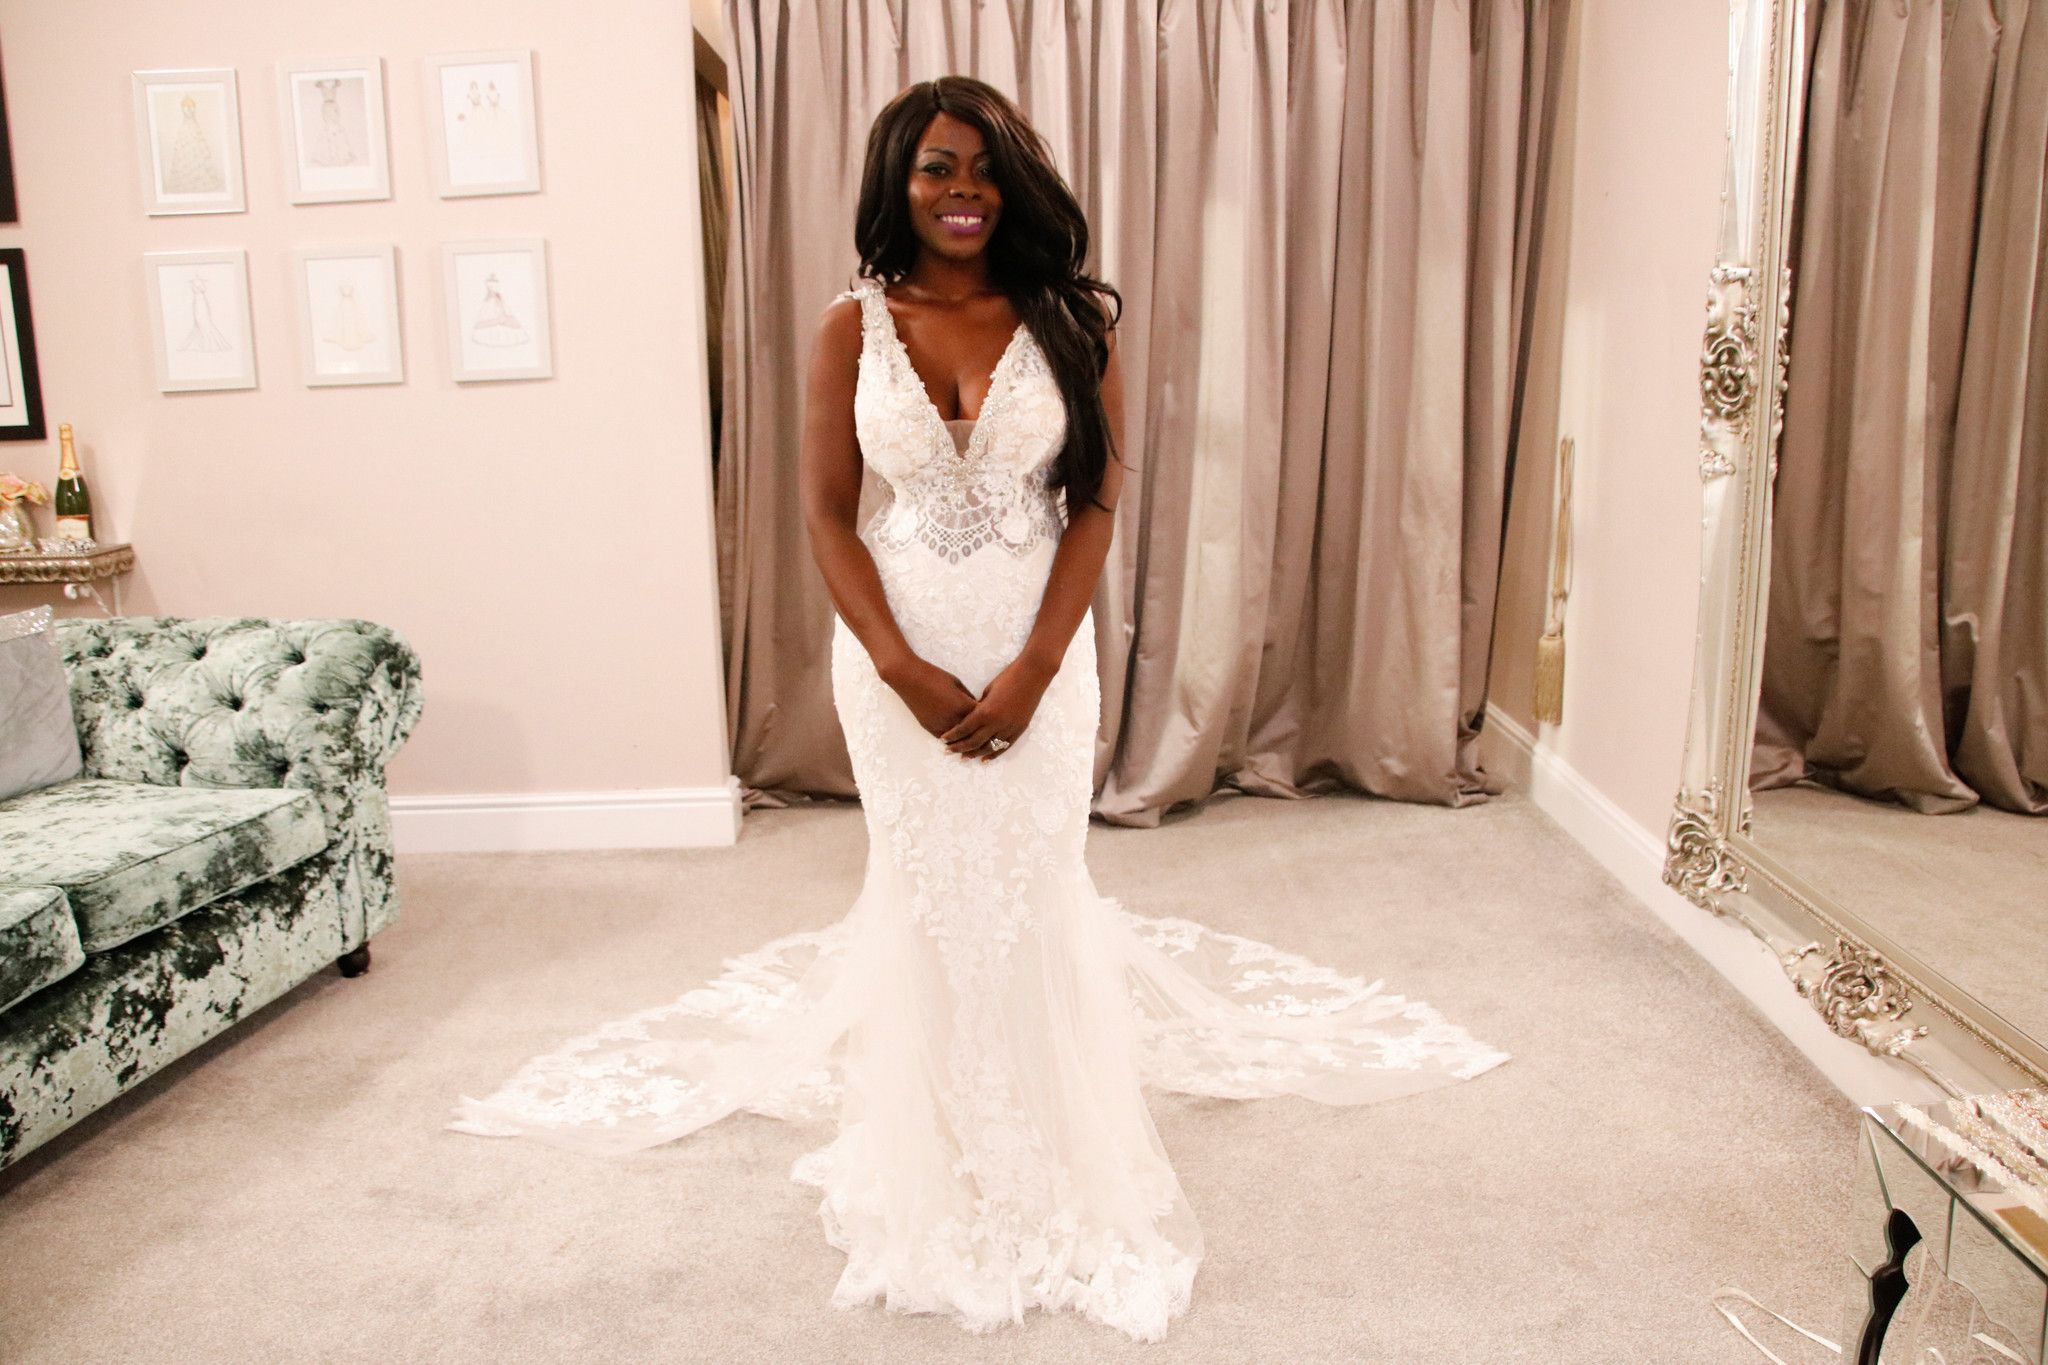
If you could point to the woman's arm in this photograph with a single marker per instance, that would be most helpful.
(828, 475)
(1012, 696)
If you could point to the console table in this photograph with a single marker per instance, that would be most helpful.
(81, 571)
(1952, 1241)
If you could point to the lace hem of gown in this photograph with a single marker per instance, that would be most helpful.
(986, 1276)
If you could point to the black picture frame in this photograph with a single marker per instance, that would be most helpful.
(22, 344)
(8, 213)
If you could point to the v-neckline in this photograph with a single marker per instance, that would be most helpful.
(977, 440)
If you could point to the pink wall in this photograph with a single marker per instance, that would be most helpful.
(544, 545)
(595, 669)
(1632, 220)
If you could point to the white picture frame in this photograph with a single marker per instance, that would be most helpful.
(188, 135)
(482, 132)
(496, 295)
(331, 114)
(200, 320)
(347, 302)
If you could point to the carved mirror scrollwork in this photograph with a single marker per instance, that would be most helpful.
(1872, 979)
(1727, 370)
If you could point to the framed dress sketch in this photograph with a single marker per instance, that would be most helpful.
(199, 315)
(188, 129)
(332, 116)
(21, 389)
(482, 134)
(348, 315)
(496, 294)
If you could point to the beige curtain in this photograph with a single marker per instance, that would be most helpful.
(1906, 647)
(1320, 216)
(1995, 560)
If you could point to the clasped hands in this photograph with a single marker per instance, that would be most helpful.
(963, 722)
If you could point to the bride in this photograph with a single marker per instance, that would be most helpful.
(980, 1026)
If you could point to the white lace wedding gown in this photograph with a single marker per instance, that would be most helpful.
(981, 1023)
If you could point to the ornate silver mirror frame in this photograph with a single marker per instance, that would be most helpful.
(1867, 988)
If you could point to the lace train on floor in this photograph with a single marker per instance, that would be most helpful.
(1108, 1232)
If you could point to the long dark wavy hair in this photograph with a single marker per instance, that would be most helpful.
(1036, 255)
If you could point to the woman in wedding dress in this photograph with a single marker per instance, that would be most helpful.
(981, 1025)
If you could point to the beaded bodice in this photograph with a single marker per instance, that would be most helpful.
(954, 500)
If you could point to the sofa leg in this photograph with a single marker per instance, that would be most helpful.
(355, 961)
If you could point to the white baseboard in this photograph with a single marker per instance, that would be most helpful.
(1634, 857)
(670, 817)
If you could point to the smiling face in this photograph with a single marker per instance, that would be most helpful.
(954, 202)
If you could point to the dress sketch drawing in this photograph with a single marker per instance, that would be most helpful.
(495, 325)
(203, 336)
(345, 325)
(331, 146)
(192, 167)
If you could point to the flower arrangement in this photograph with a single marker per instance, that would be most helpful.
(14, 489)
(17, 536)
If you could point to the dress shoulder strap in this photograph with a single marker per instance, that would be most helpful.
(873, 313)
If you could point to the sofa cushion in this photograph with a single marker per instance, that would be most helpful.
(35, 707)
(38, 941)
(132, 856)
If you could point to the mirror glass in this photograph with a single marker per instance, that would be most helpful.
(1900, 760)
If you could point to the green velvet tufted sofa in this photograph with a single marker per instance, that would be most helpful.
(229, 837)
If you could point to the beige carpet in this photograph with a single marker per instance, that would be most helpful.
(288, 1194)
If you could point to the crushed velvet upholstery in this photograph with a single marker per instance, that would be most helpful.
(238, 703)
(127, 1012)
(38, 940)
(132, 857)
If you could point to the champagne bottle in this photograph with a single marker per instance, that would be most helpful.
(72, 503)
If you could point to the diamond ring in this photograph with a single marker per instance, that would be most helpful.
(999, 744)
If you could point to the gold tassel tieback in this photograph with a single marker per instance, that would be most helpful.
(1550, 646)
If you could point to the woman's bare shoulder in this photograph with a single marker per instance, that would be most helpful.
(839, 325)
(844, 306)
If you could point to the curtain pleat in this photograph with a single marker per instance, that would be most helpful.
(1320, 215)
